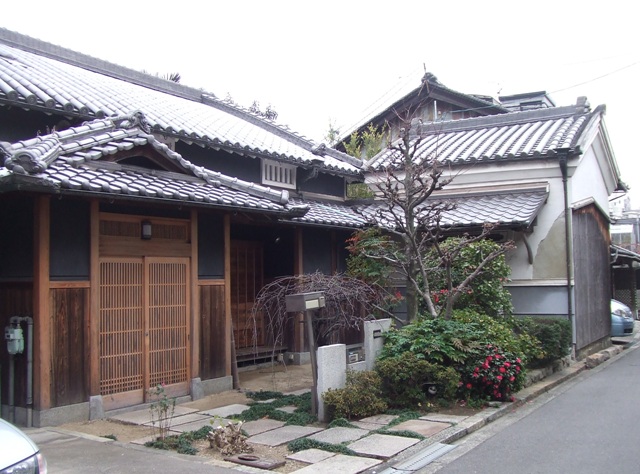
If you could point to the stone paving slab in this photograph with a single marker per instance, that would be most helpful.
(260, 426)
(340, 463)
(225, 412)
(442, 418)
(195, 425)
(298, 392)
(366, 426)
(339, 435)
(142, 441)
(184, 419)
(379, 419)
(283, 435)
(381, 446)
(423, 427)
(287, 409)
(140, 417)
(310, 456)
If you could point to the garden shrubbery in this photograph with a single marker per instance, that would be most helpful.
(406, 380)
(361, 396)
(554, 336)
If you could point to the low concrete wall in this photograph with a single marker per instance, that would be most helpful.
(373, 340)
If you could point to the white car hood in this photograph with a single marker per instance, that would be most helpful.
(16, 446)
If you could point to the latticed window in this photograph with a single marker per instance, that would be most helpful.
(278, 174)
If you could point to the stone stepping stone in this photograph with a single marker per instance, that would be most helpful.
(227, 411)
(184, 419)
(283, 435)
(453, 419)
(260, 426)
(379, 419)
(381, 446)
(310, 456)
(339, 435)
(423, 427)
(195, 425)
(287, 409)
(141, 417)
(299, 392)
(366, 426)
(146, 439)
(340, 463)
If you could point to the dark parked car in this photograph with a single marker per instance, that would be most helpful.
(18, 454)
(621, 319)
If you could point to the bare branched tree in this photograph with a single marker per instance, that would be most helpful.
(406, 208)
(349, 302)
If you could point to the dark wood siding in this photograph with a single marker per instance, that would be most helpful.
(212, 330)
(318, 251)
(592, 276)
(69, 309)
(210, 246)
(16, 238)
(69, 255)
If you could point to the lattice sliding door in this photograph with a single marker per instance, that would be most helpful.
(122, 322)
(168, 321)
(144, 327)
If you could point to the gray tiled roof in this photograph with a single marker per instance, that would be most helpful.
(511, 136)
(333, 214)
(512, 208)
(76, 161)
(37, 75)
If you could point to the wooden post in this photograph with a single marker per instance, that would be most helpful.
(93, 321)
(195, 299)
(41, 304)
(227, 294)
(314, 363)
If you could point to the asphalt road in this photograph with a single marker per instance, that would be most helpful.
(590, 424)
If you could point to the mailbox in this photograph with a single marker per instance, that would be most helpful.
(304, 301)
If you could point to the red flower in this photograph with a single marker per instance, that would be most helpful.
(512, 378)
(518, 360)
(499, 395)
(499, 377)
(469, 386)
(517, 368)
(489, 358)
(502, 370)
(507, 364)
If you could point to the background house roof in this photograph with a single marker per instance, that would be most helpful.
(512, 136)
(40, 76)
(513, 209)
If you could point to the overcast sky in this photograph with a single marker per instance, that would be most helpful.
(340, 61)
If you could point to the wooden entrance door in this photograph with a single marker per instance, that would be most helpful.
(144, 328)
(246, 282)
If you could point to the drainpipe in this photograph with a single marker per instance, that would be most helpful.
(563, 152)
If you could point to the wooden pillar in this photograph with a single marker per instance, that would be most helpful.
(93, 321)
(227, 293)
(195, 299)
(298, 263)
(41, 304)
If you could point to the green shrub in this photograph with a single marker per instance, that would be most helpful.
(361, 396)
(441, 341)
(505, 333)
(493, 374)
(406, 379)
(554, 335)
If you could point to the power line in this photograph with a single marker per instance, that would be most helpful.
(596, 78)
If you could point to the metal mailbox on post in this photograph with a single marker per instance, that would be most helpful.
(307, 303)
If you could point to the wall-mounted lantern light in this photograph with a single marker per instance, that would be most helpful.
(145, 233)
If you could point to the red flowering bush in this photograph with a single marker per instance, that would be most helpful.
(493, 374)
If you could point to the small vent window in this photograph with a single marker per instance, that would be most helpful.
(278, 174)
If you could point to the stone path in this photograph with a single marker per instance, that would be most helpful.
(371, 448)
